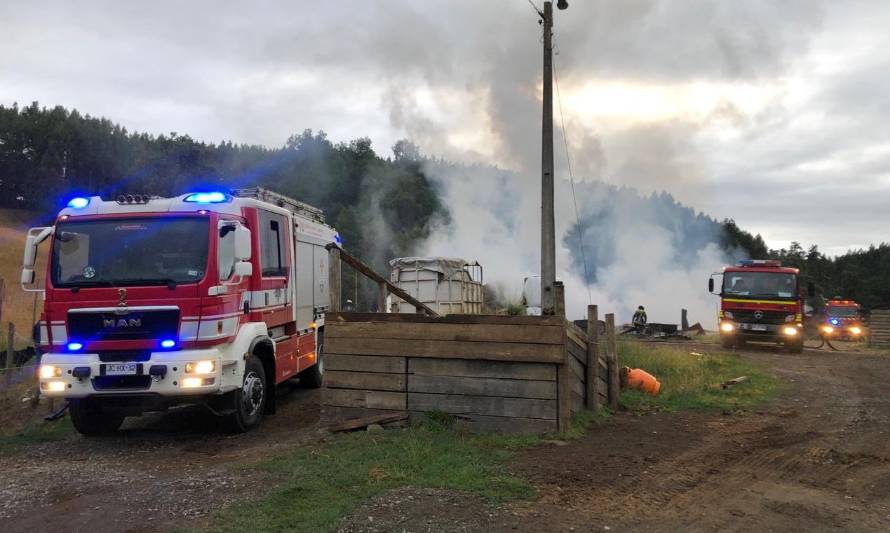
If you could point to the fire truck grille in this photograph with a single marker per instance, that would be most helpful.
(134, 325)
(768, 317)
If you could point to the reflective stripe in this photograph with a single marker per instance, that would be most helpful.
(759, 302)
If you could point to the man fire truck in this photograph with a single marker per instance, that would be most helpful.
(843, 320)
(209, 297)
(760, 300)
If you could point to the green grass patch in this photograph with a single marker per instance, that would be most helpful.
(692, 381)
(320, 483)
(35, 432)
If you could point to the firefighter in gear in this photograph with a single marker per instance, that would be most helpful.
(639, 319)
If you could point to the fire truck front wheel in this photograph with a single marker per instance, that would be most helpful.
(90, 419)
(250, 399)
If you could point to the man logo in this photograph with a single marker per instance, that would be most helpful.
(758, 315)
(122, 323)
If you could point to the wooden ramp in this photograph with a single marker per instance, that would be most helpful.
(493, 373)
(879, 329)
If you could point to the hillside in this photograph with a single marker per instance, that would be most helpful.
(18, 305)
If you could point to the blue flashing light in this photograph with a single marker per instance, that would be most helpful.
(338, 240)
(78, 203)
(207, 198)
(835, 321)
(168, 343)
(75, 346)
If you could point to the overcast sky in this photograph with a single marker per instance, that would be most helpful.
(772, 113)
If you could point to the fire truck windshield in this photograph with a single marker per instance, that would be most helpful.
(755, 285)
(129, 252)
(843, 312)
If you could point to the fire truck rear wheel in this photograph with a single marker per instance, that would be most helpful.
(250, 399)
(90, 419)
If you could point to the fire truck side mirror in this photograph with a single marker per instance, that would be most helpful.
(242, 244)
(27, 276)
(711, 285)
(243, 269)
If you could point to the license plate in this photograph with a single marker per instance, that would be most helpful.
(120, 369)
(758, 327)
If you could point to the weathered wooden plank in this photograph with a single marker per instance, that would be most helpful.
(593, 357)
(483, 405)
(507, 388)
(482, 369)
(365, 363)
(448, 319)
(366, 398)
(577, 402)
(575, 334)
(364, 421)
(602, 389)
(335, 379)
(577, 352)
(493, 351)
(495, 424)
(446, 332)
(576, 367)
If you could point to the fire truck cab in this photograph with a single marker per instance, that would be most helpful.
(760, 300)
(209, 297)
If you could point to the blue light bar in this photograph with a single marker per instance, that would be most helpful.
(168, 343)
(338, 240)
(207, 198)
(835, 321)
(75, 346)
(78, 203)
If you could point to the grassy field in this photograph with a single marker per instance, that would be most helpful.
(17, 304)
(690, 381)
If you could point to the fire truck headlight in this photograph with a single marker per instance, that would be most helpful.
(50, 371)
(53, 386)
(828, 330)
(200, 367)
(726, 327)
(791, 332)
(855, 330)
(191, 383)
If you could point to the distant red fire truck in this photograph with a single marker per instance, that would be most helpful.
(843, 320)
(209, 297)
(760, 300)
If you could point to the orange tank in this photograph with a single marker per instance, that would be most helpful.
(644, 381)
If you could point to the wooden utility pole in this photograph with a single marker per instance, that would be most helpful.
(612, 361)
(548, 223)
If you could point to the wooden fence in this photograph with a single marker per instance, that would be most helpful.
(494, 373)
(879, 329)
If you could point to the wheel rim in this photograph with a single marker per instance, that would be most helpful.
(252, 394)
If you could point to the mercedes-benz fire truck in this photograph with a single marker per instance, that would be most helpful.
(209, 297)
(760, 300)
(843, 320)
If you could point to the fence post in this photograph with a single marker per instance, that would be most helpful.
(612, 361)
(334, 278)
(381, 297)
(593, 356)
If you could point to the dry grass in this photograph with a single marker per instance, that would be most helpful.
(17, 304)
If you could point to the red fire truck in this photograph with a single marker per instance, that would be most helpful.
(843, 320)
(209, 297)
(760, 300)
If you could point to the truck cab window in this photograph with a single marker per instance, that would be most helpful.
(226, 252)
(272, 260)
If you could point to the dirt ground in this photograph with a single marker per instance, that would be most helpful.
(816, 459)
(161, 472)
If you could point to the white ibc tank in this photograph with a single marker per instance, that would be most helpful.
(531, 295)
(447, 285)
